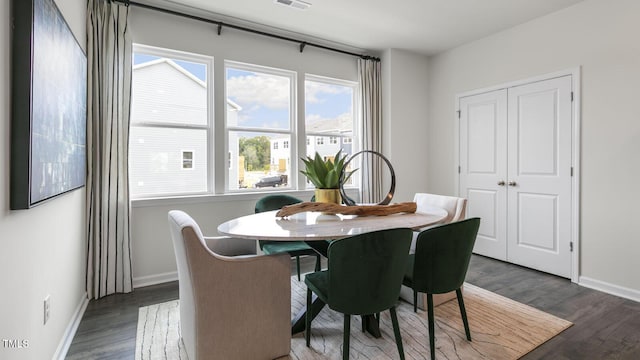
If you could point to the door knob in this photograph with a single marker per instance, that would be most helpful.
(501, 183)
(512, 183)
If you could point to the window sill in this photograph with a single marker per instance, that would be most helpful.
(215, 198)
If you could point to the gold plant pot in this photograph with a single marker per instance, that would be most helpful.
(328, 196)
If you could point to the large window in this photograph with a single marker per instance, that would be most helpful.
(169, 112)
(329, 114)
(261, 122)
(174, 151)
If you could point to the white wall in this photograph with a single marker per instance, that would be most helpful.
(405, 126)
(601, 37)
(42, 250)
(153, 257)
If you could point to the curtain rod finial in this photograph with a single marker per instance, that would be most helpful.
(372, 58)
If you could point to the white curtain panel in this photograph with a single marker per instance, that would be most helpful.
(109, 97)
(369, 74)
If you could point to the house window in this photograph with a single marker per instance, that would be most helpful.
(169, 111)
(263, 117)
(172, 110)
(329, 112)
(187, 159)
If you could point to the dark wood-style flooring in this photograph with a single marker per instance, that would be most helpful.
(605, 326)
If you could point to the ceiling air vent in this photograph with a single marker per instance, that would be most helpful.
(296, 4)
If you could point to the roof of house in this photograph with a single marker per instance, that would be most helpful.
(233, 105)
(340, 124)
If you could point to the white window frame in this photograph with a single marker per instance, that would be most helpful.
(355, 133)
(217, 148)
(208, 127)
(291, 131)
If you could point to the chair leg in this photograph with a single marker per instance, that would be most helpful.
(318, 262)
(396, 332)
(347, 335)
(415, 301)
(432, 338)
(307, 320)
(463, 312)
(298, 266)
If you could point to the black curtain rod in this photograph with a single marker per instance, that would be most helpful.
(221, 24)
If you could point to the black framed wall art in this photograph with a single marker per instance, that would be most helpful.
(48, 105)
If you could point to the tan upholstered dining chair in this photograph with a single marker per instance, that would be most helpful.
(230, 307)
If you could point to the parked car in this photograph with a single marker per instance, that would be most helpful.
(273, 181)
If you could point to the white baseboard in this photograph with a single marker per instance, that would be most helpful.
(612, 289)
(70, 331)
(143, 281)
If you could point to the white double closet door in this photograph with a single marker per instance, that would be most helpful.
(516, 169)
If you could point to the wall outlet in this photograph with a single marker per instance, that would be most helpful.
(47, 308)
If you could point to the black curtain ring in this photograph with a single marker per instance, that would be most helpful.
(387, 199)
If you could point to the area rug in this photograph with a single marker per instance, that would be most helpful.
(500, 329)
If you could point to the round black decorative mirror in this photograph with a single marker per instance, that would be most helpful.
(368, 160)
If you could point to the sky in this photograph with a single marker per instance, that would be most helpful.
(265, 98)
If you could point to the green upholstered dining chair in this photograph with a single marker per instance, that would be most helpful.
(363, 278)
(294, 248)
(440, 265)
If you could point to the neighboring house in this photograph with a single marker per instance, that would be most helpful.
(326, 145)
(168, 95)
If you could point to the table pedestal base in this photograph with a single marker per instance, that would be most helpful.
(298, 322)
(369, 322)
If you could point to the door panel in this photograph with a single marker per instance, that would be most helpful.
(483, 165)
(539, 174)
(537, 225)
(482, 137)
(537, 135)
(490, 240)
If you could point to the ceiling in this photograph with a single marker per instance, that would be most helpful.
(422, 26)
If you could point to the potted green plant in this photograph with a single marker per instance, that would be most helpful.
(325, 176)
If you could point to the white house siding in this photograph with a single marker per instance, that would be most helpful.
(164, 94)
(156, 163)
(327, 149)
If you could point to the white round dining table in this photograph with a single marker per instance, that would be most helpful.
(311, 226)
